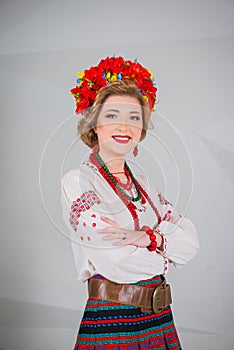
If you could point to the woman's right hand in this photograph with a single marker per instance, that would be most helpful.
(123, 237)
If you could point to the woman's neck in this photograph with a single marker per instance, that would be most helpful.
(114, 164)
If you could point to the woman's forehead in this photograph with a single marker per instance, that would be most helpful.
(121, 103)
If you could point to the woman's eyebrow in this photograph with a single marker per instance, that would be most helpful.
(112, 110)
(136, 112)
(118, 111)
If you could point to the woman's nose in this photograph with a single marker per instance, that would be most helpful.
(122, 126)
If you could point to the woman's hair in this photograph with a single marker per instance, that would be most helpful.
(87, 124)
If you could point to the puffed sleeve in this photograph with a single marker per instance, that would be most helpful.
(78, 204)
(82, 208)
(179, 233)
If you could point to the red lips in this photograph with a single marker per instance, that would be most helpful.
(121, 138)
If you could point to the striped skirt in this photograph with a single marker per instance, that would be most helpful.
(107, 325)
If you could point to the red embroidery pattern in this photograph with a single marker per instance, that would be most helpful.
(164, 252)
(168, 215)
(82, 204)
(165, 266)
(163, 200)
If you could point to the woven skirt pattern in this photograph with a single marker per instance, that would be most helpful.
(107, 325)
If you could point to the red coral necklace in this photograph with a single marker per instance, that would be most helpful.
(126, 199)
(126, 186)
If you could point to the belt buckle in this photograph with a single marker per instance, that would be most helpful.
(155, 308)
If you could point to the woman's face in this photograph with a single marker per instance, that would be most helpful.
(119, 125)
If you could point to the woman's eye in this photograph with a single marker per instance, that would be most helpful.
(135, 117)
(111, 116)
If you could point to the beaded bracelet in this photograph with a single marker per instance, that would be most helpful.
(153, 245)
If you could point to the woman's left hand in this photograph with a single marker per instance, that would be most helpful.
(124, 237)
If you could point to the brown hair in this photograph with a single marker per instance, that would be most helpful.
(87, 124)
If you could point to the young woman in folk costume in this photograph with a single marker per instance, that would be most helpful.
(127, 231)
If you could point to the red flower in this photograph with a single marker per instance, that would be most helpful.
(92, 74)
(112, 64)
(83, 104)
(75, 91)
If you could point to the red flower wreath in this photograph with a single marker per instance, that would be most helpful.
(108, 70)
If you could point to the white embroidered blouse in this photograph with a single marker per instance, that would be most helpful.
(86, 196)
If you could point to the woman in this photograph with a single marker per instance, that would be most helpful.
(127, 230)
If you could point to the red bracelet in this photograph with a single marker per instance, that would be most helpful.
(153, 245)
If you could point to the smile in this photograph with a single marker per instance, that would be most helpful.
(121, 139)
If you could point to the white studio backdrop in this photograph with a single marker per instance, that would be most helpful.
(191, 56)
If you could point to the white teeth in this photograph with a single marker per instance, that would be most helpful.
(121, 138)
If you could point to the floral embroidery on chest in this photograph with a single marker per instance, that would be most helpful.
(82, 204)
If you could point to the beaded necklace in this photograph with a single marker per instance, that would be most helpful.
(126, 186)
(126, 199)
(111, 177)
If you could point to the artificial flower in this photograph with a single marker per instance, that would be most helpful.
(108, 70)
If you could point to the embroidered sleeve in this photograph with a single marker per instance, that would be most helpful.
(82, 210)
(168, 212)
(179, 234)
(82, 204)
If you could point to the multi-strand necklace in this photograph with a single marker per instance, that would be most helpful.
(126, 199)
(126, 186)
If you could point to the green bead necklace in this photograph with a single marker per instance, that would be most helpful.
(103, 165)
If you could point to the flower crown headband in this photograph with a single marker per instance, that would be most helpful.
(108, 70)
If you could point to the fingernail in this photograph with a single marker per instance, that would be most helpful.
(103, 217)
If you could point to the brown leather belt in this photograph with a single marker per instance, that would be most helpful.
(148, 299)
